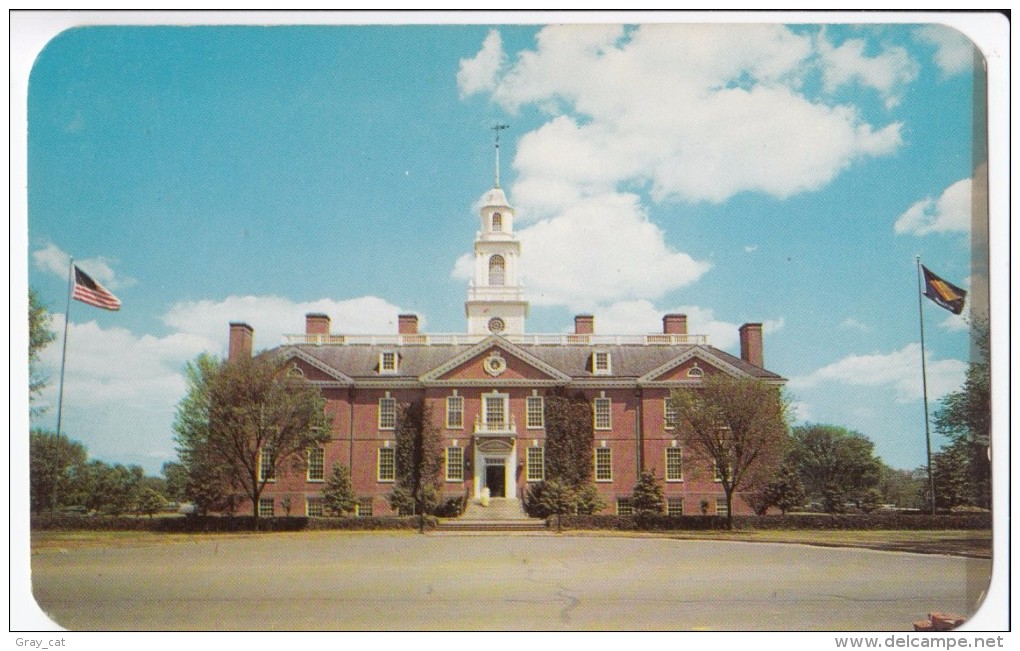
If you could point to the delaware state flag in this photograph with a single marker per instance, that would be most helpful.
(945, 294)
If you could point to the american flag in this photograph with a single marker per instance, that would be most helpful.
(89, 291)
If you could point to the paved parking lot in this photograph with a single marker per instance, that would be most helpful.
(381, 581)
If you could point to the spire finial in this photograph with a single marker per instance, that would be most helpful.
(497, 128)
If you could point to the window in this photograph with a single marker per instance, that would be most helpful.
(316, 464)
(600, 363)
(387, 413)
(694, 371)
(720, 506)
(387, 470)
(455, 412)
(603, 413)
(313, 507)
(497, 270)
(603, 464)
(497, 221)
(388, 361)
(624, 506)
(674, 506)
(267, 465)
(495, 412)
(266, 507)
(674, 464)
(536, 412)
(364, 508)
(536, 464)
(454, 464)
(669, 414)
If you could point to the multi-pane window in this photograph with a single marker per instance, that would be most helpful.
(720, 506)
(497, 270)
(674, 506)
(387, 413)
(316, 464)
(674, 464)
(266, 507)
(313, 507)
(536, 464)
(669, 411)
(267, 465)
(600, 363)
(536, 412)
(455, 412)
(603, 413)
(364, 508)
(603, 464)
(624, 506)
(495, 412)
(387, 470)
(497, 221)
(388, 362)
(454, 464)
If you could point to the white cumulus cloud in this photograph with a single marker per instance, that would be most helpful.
(950, 213)
(52, 259)
(954, 52)
(888, 72)
(479, 73)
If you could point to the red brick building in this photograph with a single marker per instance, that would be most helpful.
(486, 389)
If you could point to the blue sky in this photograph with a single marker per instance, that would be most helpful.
(787, 175)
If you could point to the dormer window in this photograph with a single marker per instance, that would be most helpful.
(601, 363)
(388, 361)
(497, 221)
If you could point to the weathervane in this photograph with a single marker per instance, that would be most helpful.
(497, 128)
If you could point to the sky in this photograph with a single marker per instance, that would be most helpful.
(782, 174)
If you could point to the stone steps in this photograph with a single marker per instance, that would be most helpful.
(529, 525)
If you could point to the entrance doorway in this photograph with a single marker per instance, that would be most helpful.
(495, 480)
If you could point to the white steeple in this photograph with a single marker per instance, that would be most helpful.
(495, 301)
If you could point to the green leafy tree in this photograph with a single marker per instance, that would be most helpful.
(835, 464)
(261, 421)
(569, 439)
(176, 476)
(785, 492)
(900, 487)
(52, 463)
(647, 496)
(965, 418)
(737, 424)
(552, 497)
(39, 336)
(870, 501)
(419, 457)
(951, 472)
(589, 500)
(150, 502)
(338, 496)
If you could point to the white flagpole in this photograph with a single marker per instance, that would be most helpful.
(60, 393)
(924, 381)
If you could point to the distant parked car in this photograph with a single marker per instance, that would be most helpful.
(187, 508)
(76, 510)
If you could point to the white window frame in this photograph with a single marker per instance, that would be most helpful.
(608, 463)
(387, 408)
(721, 507)
(606, 418)
(677, 463)
(624, 506)
(266, 454)
(267, 507)
(320, 507)
(669, 414)
(451, 401)
(321, 452)
(503, 398)
(455, 464)
(497, 272)
(497, 222)
(391, 465)
(534, 464)
(389, 362)
(538, 422)
(670, 502)
(601, 369)
(364, 504)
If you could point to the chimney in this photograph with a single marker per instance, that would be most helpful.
(241, 337)
(751, 345)
(316, 324)
(584, 324)
(407, 324)
(674, 324)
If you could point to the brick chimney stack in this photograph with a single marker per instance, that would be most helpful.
(241, 337)
(407, 324)
(751, 350)
(316, 324)
(584, 324)
(674, 324)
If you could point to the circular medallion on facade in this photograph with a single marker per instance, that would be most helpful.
(497, 325)
(495, 364)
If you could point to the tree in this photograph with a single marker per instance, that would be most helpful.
(950, 468)
(338, 496)
(647, 496)
(835, 464)
(589, 500)
(785, 492)
(569, 438)
(965, 418)
(176, 476)
(149, 502)
(260, 421)
(52, 461)
(737, 424)
(551, 497)
(419, 457)
(900, 487)
(39, 335)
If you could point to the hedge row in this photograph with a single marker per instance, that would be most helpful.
(214, 524)
(887, 521)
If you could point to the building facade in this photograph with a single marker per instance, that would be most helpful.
(486, 390)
